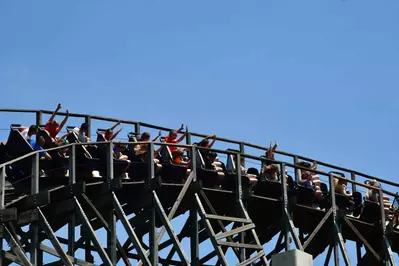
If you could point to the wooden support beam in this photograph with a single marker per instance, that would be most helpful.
(53, 252)
(7, 215)
(227, 218)
(240, 245)
(235, 231)
(252, 259)
(33, 201)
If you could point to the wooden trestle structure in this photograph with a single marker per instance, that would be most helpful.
(156, 196)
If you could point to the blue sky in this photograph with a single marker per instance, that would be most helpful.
(318, 76)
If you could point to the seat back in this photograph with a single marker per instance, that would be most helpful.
(200, 160)
(17, 145)
(15, 126)
(337, 173)
(371, 212)
(100, 136)
(70, 128)
(48, 140)
(132, 137)
(395, 203)
(81, 151)
(166, 155)
(305, 195)
(230, 164)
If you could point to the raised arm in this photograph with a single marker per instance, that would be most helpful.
(270, 152)
(66, 135)
(275, 146)
(183, 136)
(63, 121)
(159, 134)
(114, 126)
(116, 134)
(47, 156)
(213, 137)
(180, 129)
(54, 113)
(314, 166)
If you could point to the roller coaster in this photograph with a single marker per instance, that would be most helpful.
(234, 209)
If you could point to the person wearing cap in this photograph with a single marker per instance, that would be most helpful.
(52, 126)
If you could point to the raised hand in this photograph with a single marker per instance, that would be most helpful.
(59, 106)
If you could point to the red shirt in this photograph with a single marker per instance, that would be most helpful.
(52, 130)
(168, 140)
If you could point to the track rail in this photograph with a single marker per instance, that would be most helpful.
(139, 125)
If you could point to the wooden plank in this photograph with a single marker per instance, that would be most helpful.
(11, 257)
(174, 208)
(27, 217)
(240, 245)
(235, 231)
(227, 218)
(170, 231)
(61, 207)
(252, 259)
(68, 191)
(53, 239)
(7, 215)
(19, 252)
(33, 201)
(364, 241)
(74, 260)
(316, 230)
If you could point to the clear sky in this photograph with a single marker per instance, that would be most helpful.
(320, 77)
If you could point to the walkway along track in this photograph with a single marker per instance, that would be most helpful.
(99, 204)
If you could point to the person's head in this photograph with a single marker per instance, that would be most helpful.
(177, 153)
(32, 130)
(108, 134)
(84, 128)
(373, 183)
(145, 136)
(274, 169)
(212, 156)
(304, 164)
(342, 181)
(173, 134)
(204, 143)
(120, 147)
(306, 174)
(40, 141)
(55, 124)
